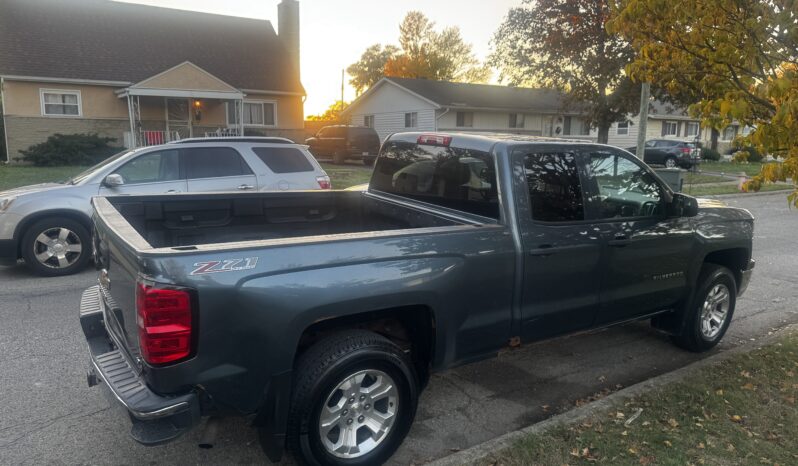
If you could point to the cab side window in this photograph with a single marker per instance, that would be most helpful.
(623, 189)
(152, 168)
(555, 190)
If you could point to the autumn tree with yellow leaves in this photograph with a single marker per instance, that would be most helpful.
(736, 59)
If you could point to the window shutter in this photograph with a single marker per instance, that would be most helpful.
(566, 129)
(664, 125)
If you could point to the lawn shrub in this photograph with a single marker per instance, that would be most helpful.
(710, 154)
(70, 149)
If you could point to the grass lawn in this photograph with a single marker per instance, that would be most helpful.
(700, 178)
(345, 176)
(703, 190)
(732, 168)
(13, 176)
(741, 411)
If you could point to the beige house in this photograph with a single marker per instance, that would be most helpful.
(145, 75)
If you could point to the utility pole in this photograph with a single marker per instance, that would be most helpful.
(645, 94)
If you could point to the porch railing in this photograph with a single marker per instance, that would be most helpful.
(224, 133)
(146, 138)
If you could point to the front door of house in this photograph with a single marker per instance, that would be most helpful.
(178, 119)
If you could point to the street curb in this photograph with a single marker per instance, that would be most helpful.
(483, 450)
(739, 195)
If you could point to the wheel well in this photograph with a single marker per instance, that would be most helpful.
(734, 259)
(412, 328)
(30, 220)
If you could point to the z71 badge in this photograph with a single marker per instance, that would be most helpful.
(227, 265)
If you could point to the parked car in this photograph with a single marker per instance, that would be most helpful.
(322, 314)
(48, 225)
(346, 142)
(671, 153)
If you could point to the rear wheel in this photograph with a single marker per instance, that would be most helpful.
(56, 246)
(712, 309)
(355, 397)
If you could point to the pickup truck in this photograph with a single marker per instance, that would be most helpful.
(321, 315)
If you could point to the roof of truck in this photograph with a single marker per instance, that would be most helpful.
(485, 141)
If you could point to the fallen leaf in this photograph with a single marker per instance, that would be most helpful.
(633, 451)
(719, 392)
(748, 386)
(746, 374)
(672, 422)
(646, 423)
(624, 433)
(736, 418)
(620, 415)
(701, 445)
(668, 443)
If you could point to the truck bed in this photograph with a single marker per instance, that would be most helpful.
(189, 220)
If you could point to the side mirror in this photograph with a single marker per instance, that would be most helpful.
(114, 180)
(683, 205)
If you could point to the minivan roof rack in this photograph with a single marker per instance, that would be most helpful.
(267, 140)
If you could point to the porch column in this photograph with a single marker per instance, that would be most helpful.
(241, 117)
(133, 138)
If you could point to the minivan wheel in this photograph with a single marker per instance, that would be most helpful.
(355, 397)
(711, 311)
(56, 247)
(670, 162)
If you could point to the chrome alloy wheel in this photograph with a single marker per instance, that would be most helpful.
(57, 248)
(670, 163)
(359, 413)
(715, 311)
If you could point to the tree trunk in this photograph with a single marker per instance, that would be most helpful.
(603, 133)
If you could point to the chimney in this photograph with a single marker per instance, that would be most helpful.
(288, 24)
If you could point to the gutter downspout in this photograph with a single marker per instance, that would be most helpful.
(448, 109)
(5, 127)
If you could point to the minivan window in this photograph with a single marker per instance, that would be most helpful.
(450, 177)
(283, 159)
(555, 191)
(214, 162)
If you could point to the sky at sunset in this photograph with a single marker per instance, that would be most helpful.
(335, 32)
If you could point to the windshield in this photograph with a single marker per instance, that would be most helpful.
(79, 178)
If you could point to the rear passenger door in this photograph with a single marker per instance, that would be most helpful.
(563, 249)
(649, 253)
(285, 168)
(210, 169)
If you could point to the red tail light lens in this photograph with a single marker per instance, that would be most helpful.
(686, 150)
(165, 324)
(434, 140)
(324, 182)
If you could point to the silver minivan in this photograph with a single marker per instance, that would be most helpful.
(49, 225)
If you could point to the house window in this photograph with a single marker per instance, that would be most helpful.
(368, 121)
(729, 133)
(60, 103)
(669, 128)
(516, 120)
(411, 120)
(692, 129)
(623, 128)
(255, 114)
(465, 119)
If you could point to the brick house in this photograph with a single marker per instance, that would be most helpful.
(145, 75)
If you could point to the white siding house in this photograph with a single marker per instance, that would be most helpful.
(397, 104)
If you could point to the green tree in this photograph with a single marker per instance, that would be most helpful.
(333, 113)
(564, 45)
(738, 59)
(423, 53)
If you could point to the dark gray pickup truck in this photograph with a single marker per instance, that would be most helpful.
(320, 315)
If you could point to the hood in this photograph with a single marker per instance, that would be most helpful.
(34, 188)
(704, 203)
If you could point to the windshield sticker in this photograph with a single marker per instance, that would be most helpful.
(228, 265)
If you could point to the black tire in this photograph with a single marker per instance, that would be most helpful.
(76, 261)
(692, 338)
(670, 162)
(369, 161)
(319, 372)
(339, 157)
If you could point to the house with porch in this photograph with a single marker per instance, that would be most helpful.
(145, 75)
(403, 104)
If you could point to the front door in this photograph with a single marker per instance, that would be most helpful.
(648, 254)
(210, 169)
(562, 250)
(178, 119)
(151, 173)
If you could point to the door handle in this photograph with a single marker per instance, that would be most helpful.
(245, 187)
(172, 191)
(544, 250)
(621, 240)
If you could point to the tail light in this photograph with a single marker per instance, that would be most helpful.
(324, 182)
(165, 324)
(686, 150)
(434, 140)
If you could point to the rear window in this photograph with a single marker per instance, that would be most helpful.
(284, 159)
(450, 177)
(362, 132)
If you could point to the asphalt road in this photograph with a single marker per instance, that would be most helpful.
(49, 415)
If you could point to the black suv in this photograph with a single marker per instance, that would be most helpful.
(346, 142)
(671, 153)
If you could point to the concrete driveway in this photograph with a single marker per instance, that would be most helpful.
(48, 415)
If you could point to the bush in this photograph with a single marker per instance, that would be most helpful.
(747, 154)
(70, 149)
(709, 154)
